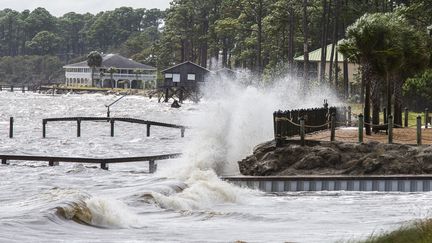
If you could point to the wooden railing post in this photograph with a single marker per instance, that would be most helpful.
(112, 127)
(426, 117)
(104, 166)
(406, 117)
(11, 122)
(148, 130)
(302, 131)
(349, 115)
(390, 129)
(360, 128)
(333, 127)
(419, 131)
(152, 166)
(79, 128)
(53, 163)
(44, 128)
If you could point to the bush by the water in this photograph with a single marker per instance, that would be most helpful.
(419, 232)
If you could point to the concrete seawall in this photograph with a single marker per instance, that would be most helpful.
(384, 183)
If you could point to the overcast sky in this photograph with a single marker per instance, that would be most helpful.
(60, 7)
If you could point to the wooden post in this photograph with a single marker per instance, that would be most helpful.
(182, 131)
(166, 95)
(44, 128)
(406, 117)
(4, 162)
(419, 131)
(108, 111)
(104, 166)
(23, 89)
(12, 88)
(360, 127)
(390, 129)
(152, 166)
(78, 128)
(426, 117)
(278, 127)
(112, 127)
(11, 122)
(302, 131)
(333, 127)
(181, 96)
(349, 115)
(148, 130)
(53, 163)
(1, 87)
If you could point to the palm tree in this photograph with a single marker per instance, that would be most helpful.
(370, 43)
(94, 60)
(111, 71)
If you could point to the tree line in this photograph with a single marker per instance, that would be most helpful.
(261, 35)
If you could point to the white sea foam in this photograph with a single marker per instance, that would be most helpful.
(232, 120)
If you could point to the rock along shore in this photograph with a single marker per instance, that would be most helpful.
(337, 158)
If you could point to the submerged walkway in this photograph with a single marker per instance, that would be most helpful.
(53, 161)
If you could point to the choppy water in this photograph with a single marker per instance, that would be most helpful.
(185, 201)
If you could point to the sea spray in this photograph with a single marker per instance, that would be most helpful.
(232, 119)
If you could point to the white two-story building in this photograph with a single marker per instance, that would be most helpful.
(128, 73)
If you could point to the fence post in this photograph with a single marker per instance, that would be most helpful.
(148, 130)
(79, 128)
(11, 122)
(419, 139)
(390, 129)
(44, 128)
(112, 127)
(406, 117)
(333, 127)
(360, 127)
(278, 133)
(302, 131)
(349, 115)
(426, 117)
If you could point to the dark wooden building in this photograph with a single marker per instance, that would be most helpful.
(187, 75)
(183, 80)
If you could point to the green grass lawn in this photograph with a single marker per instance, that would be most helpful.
(357, 108)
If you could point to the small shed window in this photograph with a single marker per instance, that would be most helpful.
(176, 77)
(168, 75)
(191, 76)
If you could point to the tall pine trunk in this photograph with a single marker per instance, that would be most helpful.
(325, 15)
(305, 47)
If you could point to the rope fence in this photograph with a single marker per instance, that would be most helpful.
(308, 123)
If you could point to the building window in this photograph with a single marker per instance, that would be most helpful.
(191, 76)
(176, 77)
(168, 75)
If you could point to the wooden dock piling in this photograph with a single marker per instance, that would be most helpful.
(11, 122)
(112, 127)
(78, 128)
(148, 130)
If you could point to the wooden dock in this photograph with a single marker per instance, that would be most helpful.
(53, 161)
(112, 121)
